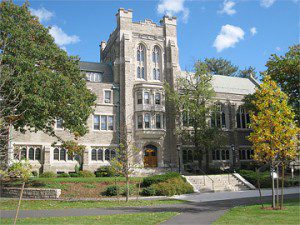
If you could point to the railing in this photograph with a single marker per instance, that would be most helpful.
(228, 173)
(205, 175)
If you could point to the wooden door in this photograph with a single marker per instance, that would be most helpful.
(150, 158)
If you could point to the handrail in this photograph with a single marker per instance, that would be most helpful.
(228, 173)
(205, 175)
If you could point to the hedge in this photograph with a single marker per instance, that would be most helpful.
(154, 179)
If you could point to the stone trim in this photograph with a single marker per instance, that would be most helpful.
(38, 193)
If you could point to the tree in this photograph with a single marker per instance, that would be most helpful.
(126, 159)
(39, 81)
(193, 98)
(274, 130)
(74, 149)
(245, 73)
(220, 66)
(285, 71)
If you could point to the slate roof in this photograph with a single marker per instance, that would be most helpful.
(101, 67)
(233, 85)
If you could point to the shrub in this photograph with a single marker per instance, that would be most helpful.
(74, 174)
(148, 181)
(148, 191)
(173, 186)
(105, 171)
(112, 190)
(35, 173)
(48, 175)
(77, 168)
(86, 173)
(63, 175)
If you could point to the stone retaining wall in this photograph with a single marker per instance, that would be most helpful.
(40, 193)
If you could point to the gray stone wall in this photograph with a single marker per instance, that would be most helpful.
(38, 193)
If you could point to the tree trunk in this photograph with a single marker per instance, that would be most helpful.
(206, 160)
(259, 190)
(139, 189)
(19, 204)
(282, 186)
(127, 187)
(117, 188)
(277, 188)
(273, 187)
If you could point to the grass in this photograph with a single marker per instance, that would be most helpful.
(255, 215)
(132, 219)
(84, 179)
(6, 204)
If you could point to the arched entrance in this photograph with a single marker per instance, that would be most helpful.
(150, 156)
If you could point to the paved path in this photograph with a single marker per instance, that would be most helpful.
(206, 197)
(201, 212)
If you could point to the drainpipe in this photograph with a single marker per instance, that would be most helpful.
(116, 89)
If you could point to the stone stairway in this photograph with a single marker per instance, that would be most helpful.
(220, 182)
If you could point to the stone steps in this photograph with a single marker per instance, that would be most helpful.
(217, 183)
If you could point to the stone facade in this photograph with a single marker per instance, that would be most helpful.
(135, 62)
(38, 193)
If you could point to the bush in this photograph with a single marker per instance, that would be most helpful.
(148, 191)
(170, 187)
(63, 175)
(112, 190)
(74, 174)
(105, 171)
(35, 173)
(148, 181)
(48, 175)
(86, 173)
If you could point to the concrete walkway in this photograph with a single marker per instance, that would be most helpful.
(216, 196)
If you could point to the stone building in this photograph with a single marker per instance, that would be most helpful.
(135, 62)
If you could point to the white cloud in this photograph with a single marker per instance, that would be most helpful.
(228, 37)
(42, 13)
(61, 38)
(228, 8)
(267, 3)
(253, 31)
(172, 7)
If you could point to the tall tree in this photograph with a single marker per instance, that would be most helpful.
(38, 81)
(245, 73)
(193, 99)
(274, 130)
(220, 66)
(285, 71)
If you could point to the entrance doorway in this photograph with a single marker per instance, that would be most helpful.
(150, 156)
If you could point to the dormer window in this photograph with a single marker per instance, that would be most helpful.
(94, 76)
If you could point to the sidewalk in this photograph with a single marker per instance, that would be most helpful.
(217, 196)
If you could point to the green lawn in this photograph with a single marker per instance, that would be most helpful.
(132, 219)
(255, 215)
(55, 204)
(84, 179)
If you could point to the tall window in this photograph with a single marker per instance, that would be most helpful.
(103, 122)
(107, 96)
(158, 121)
(157, 98)
(156, 59)
(218, 116)
(146, 98)
(140, 122)
(139, 98)
(110, 123)
(107, 122)
(97, 155)
(31, 154)
(96, 122)
(242, 118)
(222, 154)
(141, 61)
(28, 152)
(56, 154)
(147, 120)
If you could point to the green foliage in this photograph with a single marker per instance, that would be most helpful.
(74, 174)
(220, 66)
(77, 168)
(19, 170)
(105, 171)
(148, 191)
(285, 71)
(39, 77)
(63, 175)
(112, 190)
(173, 186)
(154, 179)
(48, 175)
(89, 186)
(86, 173)
(35, 173)
(247, 72)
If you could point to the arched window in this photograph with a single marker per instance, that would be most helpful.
(156, 60)
(37, 154)
(94, 155)
(242, 118)
(23, 154)
(31, 154)
(217, 154)
(184, 156)
(140, 57)
(227, 155)
(107, 155)
(56, 154)
(100, 154)
(62, 154)
(218, 116)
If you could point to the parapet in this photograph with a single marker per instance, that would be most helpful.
(123, 13)
(169, 20)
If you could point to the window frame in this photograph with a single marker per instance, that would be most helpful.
(105, 100)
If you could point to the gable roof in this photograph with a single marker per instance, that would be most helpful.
(101, 67)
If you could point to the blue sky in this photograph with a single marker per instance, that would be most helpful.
(245, 32)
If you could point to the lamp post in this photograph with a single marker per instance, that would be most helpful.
(178, 153)
(233, 157)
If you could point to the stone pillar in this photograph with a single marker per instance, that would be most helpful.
(47, 159)
(86, 158)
